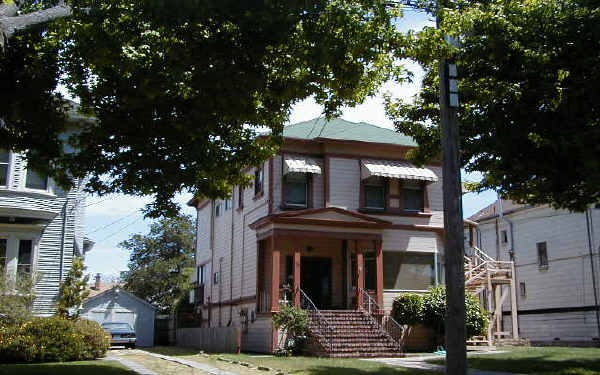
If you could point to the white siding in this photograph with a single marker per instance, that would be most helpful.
(344, 183)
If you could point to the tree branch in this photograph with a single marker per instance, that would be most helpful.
(9, 25)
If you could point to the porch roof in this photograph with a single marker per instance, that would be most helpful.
(330, 216)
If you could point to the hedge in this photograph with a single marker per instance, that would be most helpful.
(52, 339)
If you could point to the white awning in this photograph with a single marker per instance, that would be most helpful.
(300, 164)
(395, 169)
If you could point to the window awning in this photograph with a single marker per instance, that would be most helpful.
(395, 169)
(300, 164)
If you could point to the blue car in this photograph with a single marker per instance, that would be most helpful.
(121, 334)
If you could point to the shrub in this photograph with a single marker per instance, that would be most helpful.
(434, 312)
(408, 309)
(294, 322)
(52, 339)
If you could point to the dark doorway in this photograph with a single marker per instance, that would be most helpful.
(316, 280)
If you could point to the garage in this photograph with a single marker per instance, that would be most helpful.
(119, 306)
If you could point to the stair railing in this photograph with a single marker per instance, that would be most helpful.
(396, 332)
(324, 328)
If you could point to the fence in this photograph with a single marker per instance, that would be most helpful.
(212, 340)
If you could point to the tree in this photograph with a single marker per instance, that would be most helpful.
(180, 90)
(529, 104)
(73, 290)
(161, 261)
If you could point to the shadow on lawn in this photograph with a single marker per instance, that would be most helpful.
(382, 370)
(173, 351)
(65, 368)
(538, 364)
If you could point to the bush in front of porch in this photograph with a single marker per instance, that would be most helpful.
(294, 323)
(429, 309)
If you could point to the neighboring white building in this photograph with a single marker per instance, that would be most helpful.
(41, 228)
(556, 259)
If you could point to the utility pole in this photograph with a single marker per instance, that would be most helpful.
(454, 247)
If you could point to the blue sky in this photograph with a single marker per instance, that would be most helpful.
(112, 219)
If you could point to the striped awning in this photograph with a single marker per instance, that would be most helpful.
(302, 164)
(395, 169)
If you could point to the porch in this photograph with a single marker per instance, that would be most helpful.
(330, 270)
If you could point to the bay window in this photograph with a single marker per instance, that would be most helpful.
(25, 257)
(296, 189)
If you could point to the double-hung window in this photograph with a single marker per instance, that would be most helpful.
(3, 251)
(258, 181)
(296, 189)
(542, 252)
(4, 167)
(35, 180)
(412, 192)
(24, 261)
(374, 190)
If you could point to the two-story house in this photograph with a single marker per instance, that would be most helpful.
(555, 254)
(338, 219)
(41, 227)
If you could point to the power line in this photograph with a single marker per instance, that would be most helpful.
(111, 223)
(120, 229)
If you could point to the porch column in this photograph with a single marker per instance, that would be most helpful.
(360, 275)
(297, 278)
(274, 276)
(379, 270)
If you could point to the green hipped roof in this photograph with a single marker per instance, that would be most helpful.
(345, 130)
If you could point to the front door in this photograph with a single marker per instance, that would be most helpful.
(316, 280)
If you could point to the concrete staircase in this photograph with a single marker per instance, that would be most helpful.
(347, 334)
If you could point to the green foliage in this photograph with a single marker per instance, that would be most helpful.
(73, 290)
(434, 312)
(408, 309)
(294, 322)
(198, 79)
(17, 294)
(530, 104)
(161, 261)
(52, 339)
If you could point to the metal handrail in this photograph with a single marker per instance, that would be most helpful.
(323, 326)
(395, 331)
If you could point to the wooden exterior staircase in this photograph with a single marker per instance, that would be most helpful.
(492, 281)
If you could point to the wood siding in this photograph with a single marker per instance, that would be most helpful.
(565, 283)
(57, 239)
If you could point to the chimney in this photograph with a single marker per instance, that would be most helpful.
(97, 283)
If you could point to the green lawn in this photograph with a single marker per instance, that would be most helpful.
(298, 365)
(543, 361)
(67, 368)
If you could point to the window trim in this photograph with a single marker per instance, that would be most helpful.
(309, 194)
(34, 190)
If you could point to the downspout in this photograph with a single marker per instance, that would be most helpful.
(591, 251)
(62, 242)
(513, 259)
(231, 264)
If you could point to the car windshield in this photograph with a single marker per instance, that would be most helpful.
(116, 325)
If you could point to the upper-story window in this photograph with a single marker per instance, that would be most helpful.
(218, 209)
(4, 167)
(228, 204)
(295, 187)
(414, 197)
(258, 181)
(240, 197)
(394, 186)
(542, 252)
(34, 180)
(374, 190)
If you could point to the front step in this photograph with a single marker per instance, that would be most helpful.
(354, 335)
